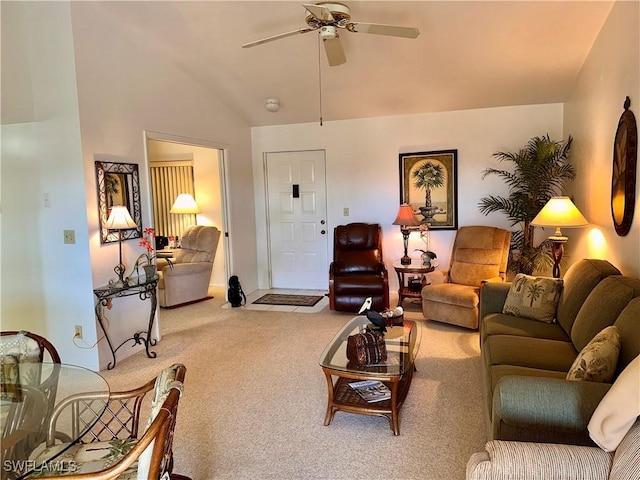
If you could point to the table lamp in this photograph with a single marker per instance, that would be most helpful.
(119, 219)
(185, 203)
(406, 219)
(559, 212)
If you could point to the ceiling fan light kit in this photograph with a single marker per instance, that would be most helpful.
(272, 105)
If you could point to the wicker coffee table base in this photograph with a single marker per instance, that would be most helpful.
(343, 398)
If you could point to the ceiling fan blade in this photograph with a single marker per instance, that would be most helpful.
(379, 29)
(321, 12)
(335, 52)
(277, 37)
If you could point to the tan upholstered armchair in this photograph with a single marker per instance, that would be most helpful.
(479, 254)
(186, 279)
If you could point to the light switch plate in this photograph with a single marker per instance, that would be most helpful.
(70, 236)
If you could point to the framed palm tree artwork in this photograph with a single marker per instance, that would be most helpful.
(428, 182)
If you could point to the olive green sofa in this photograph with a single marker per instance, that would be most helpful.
(525, 362)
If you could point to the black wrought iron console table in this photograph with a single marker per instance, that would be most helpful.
(145, 288)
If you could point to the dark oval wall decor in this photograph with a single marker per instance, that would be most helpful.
(623, 178)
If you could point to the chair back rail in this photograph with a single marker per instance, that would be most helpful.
(160, 430)
(45, 345)
(121, 420)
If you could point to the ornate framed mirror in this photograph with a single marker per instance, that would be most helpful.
(623, 179)
(118, 184)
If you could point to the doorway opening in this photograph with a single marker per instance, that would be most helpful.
(206, 180)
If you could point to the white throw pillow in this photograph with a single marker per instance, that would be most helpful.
(598, 359)
(618, 409)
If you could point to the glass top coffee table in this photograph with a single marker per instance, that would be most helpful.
(396, 372)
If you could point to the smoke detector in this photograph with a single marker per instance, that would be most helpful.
(272, 105)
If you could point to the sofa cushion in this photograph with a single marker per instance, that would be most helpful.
(502, 324)
(618, 410)
(579, 279)
(628, 324)
(602, 307)
(626, 461)
(538, 353)
(85, 458)
(598, 359)
(452, 294)
(533, 297)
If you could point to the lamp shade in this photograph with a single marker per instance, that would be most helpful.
(406, 217)
(119, 219)
(185, 203)
(560, 212)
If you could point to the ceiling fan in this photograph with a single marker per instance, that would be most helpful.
(328, 17)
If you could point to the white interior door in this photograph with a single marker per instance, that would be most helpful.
(297, 207)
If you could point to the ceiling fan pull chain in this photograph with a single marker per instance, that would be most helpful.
(320, 78)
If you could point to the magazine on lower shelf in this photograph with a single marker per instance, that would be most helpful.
(372, 390)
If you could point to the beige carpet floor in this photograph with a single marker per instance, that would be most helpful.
(255, 399)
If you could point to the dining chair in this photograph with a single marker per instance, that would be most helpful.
(112, 447)
(26, 347)
(20, 351)
(23, 410)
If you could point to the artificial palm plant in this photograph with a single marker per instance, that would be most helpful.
(540, 171)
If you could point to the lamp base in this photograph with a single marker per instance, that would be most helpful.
(122, 280)
(557, 250)
(406, 260)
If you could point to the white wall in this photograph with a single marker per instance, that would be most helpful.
(610, 73)
(46, 285)
(125, 88)
(97, 110)
(363, 166)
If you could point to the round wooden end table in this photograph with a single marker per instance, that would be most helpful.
(416, 267)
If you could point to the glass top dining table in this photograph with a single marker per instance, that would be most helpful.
(31, 395)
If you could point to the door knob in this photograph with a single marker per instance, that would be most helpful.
(322, 232)
(322, 222)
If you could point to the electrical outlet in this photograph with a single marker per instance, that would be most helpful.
(70, 236)
(345, 211)
(78, 333)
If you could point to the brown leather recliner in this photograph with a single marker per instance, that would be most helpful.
(357, 270)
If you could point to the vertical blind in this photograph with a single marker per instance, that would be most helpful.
(168, 180)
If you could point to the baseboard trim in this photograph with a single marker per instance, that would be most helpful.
(188, 303)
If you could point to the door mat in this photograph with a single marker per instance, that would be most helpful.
(292, 300)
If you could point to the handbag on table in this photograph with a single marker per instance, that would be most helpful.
(367, 348)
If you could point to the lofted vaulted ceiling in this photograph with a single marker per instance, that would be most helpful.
(470, 54)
